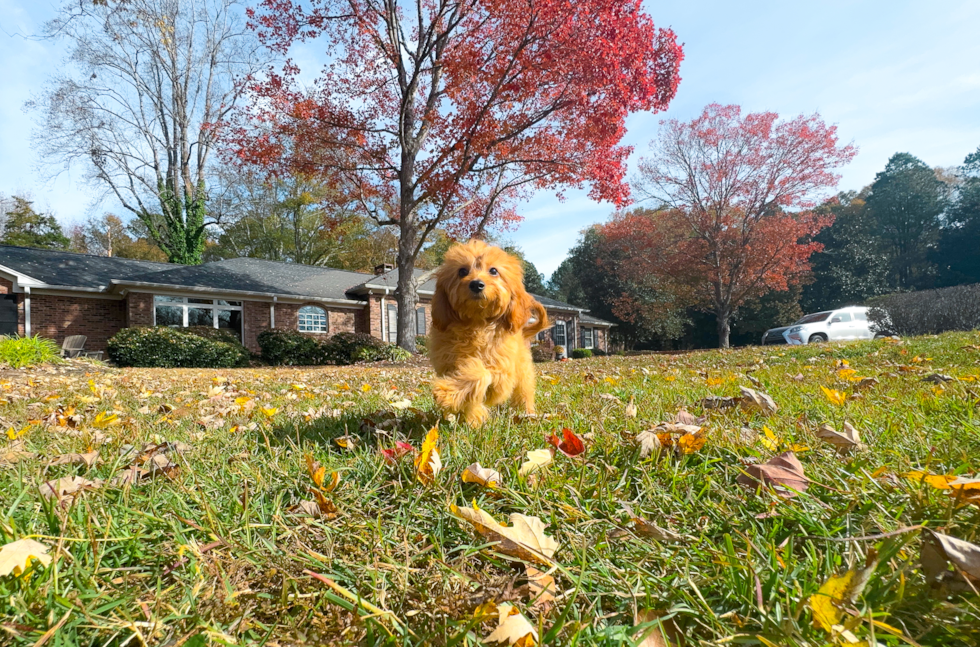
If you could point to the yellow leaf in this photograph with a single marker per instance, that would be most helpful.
(513, 628)
(670, 378)
(611, 380)
(427, 463)
(714, 381)
(938, 481)
(769, 439)
(15, 557)
(12, 434)
(690, 443)
(524, 539)
(104, 419)
(834, 396)
(827, 604)
(269, 411)
(536, 459)
(365, 388)
(480, 475)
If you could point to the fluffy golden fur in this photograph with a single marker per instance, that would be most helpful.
(478, 343)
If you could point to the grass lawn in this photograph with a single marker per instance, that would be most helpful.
(210, 545)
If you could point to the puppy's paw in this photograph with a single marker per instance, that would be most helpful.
(476, 415)
(447, 395)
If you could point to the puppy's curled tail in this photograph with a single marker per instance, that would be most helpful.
(542, 320)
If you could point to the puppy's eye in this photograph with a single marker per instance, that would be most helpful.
(463, 271)
(493, 271)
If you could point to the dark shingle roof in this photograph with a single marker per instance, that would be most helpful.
(589, 319)
(257, 275)
(390, 280)
(548, 302)
(56, 267)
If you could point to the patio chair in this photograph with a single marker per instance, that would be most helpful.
(73, 345)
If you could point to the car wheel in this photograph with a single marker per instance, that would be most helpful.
(818, 338)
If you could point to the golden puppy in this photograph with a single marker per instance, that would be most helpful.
(478, 344)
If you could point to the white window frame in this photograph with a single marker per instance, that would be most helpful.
(591, 342)
(322, 314)
(214, 306)
(564, 333)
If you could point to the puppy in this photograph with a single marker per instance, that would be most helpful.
(478, 343)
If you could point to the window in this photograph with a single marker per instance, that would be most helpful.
(559, 333)
(587, 338)
(420, 320)
(181, 312)
(392, 324)
(840, 318)
(860, 315)
(312, 319)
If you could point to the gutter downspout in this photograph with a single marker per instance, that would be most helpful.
(272, 312)
(384, 316)
(27, 311)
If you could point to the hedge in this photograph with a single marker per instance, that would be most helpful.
(928, 311)
(581, 353)
(293, 348)
(164, 347)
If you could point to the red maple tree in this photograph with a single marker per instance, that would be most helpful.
(738, 193)
(446, 112)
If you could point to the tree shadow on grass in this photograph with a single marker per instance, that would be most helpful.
(381, 428)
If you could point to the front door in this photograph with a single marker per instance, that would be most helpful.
(8, 314)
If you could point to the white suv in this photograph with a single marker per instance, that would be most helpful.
(830, 325)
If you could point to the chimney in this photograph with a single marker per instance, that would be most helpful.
(383, 268)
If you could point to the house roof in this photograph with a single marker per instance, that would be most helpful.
(71, 269)
(555, 304)
(255, 275)
(595, 321)
(389, 280)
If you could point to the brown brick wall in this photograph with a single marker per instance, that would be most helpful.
(57, 317)
(255, 316)
(139, 309)
(6, 286)
(370, 320)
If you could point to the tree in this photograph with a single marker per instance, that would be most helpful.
(958, 251)
(147, 85)
(441, 113)
(729, 183)
(906, 202)
(24, 226)
(108, 235)
(533, 279)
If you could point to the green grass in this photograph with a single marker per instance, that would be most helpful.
(214, 556)
(18, 352)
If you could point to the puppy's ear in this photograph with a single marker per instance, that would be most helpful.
(443, 314)
(519, 311)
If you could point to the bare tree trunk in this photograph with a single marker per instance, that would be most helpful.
(405, 295)
(724, 316)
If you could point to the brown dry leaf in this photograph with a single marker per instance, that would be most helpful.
(783, 471)
(541, 586)
(844, 441)
(651, 530)
(631, 410)
(649, 443)
(685, 418)
(480, 475)
(129, 475)
(799, 377)
(60, 488)
(14, 453)
(758, 401)
(15, 557)
(718, 402)
(866, 383)
(346, 442)
(665, 633)
(939, 551)
(965, 490)
(513, 628)
(524, 538)
(160, 463)
(321, 508)
(88, 459)
(938, 378)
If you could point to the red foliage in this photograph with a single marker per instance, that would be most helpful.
(728, 184)
(571, 446)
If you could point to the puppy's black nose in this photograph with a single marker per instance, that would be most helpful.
(477, 286)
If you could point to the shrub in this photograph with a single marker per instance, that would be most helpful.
(18, 352)
(214, 334)
(350, 347)
(293, 348)
(581, 353)
(165, 347)
(928, 311)
(542, 354)
(422, 344)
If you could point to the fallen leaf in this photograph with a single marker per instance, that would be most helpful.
(571, 446)
(757, 401)
(129, 476)
(718, 402)
(690, 443)
(685, 418)
(427, 463)
(524, 539)
(938, 378)
(15, 557)
(839, 591)
(783, 471)
(866, 383)
(938, 481)
(480, 475)
(60, 488)
(651, 530)
(541, 586)
(939, 551)
(649, 443)
(88, 459)
(536, 459)
(14, 453)
(346, 442)
(105, 419)
(966, 490)
(401, 404)
(400, 449)
(769, 440)
(844, 441)
(513, 628)
(631, 410)
(665, 633)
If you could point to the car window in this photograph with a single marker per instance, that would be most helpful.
(842, 316)
(815, 317)
(860, 315)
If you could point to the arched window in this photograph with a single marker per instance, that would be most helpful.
(312, 319)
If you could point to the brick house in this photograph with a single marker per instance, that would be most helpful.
(55, 294)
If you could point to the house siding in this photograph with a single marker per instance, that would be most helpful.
(256, 317)
(57, 317)
(139, 309)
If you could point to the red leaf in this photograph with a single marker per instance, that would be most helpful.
(394, 454)
(571, 446)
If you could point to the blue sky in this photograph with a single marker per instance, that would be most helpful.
(894, 76)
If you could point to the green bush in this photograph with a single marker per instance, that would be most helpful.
(18, 352)
(292, 348)
(581, 353)
(214, 334)
(164, 347)
(926, 312)
(542, 354)
(422, 344)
